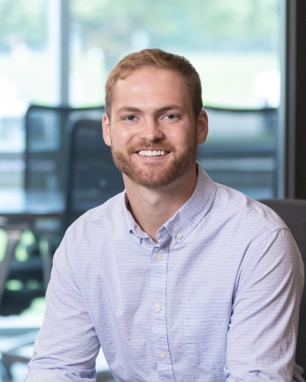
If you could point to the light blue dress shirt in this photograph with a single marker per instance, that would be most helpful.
(216, 299)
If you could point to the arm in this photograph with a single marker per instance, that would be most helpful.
(263, 329)
(67, 345)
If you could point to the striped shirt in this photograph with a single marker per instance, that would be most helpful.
(216, 299)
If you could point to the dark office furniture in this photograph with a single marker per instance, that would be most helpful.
(45, 172)
(293, 212)
(46, 146)
(93, 177)
(240, 151)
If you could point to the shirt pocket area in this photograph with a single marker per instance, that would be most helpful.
(205, 331)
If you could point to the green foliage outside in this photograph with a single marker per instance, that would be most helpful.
(112, 21)
(228, 41)
(23, 21)
(227, 78)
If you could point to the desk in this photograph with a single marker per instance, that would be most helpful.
(18, 210)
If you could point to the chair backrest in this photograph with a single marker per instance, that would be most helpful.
(293, 212)
(93, 177)
(241, 149)
(46, 147)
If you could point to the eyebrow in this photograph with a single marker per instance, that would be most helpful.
(170, 107)
(128, 108)
(160, 110)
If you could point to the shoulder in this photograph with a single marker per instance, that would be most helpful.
(90, 236)
(246, 210)
(99, 220)
(267, 238)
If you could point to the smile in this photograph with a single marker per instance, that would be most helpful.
(152, 153)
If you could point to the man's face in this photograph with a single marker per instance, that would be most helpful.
(152, 128)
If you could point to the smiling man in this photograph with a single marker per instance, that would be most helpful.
(177, 278)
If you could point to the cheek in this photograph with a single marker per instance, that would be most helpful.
(181, 138)
(121, 137)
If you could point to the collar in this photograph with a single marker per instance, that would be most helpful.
(186, 218)
(133, 226)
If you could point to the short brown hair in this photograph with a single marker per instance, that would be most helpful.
(160, 59)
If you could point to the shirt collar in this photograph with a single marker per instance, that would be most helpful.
(193, 211)
(187, 217)
(133, 226)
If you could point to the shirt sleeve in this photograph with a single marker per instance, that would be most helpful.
(67, 346)
(262, 333)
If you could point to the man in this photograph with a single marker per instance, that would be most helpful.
(177, 278)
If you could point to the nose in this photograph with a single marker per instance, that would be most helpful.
(151, 130)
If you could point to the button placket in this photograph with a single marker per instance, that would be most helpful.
(159, 307)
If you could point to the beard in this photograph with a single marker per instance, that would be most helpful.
(153, 175)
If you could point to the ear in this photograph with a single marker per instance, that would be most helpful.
(106, 130)
(202, 127)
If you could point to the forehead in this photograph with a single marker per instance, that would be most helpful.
(149, 84)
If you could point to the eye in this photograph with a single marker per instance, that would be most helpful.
(171, 116)
(130, 118)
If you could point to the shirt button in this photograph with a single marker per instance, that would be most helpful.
(179, 235)
(159, 257)
(158, 307)
(162, 355)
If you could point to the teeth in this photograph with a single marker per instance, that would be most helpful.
(150, 153)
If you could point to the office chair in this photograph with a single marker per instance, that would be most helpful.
(241, 150)
(46, 145)
(293, 212)
(93, 177)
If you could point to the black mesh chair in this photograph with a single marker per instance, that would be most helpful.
(46, 145)
(293, 212)
(46, 154)
(241, 150)
(93, 177)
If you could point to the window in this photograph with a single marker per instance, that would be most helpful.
(234, 46)
(25, 75)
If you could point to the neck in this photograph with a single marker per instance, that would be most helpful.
(152, 208)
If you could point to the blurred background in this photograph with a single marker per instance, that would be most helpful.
(234, 45)
(55, 56)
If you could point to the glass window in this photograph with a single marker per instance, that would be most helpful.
(234, 46)
(232, 43)
(25, 76)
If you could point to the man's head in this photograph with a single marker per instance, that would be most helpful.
(156, 58)
(151, 121)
